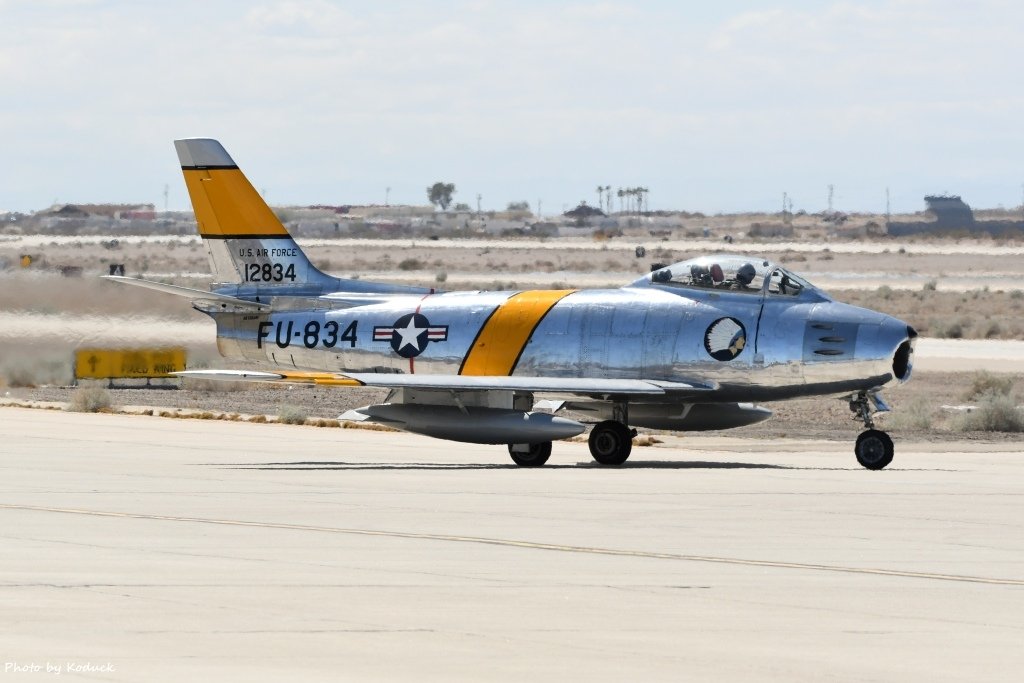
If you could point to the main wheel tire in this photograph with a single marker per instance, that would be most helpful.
(610, 442)
(874, 449)
(535, 457)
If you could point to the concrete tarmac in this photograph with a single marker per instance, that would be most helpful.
(138, 548)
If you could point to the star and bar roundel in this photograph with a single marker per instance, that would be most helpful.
(410, 334)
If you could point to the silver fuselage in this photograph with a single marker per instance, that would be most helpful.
(794, 346)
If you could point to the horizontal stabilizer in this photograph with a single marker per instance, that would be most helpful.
(187, 292)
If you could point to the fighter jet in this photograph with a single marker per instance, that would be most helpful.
(695, 345)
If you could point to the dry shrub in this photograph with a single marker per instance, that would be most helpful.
(994, 330)
(368, 426)
(994, 413)
(168, 413)
(985, 382)
(918, 414)
(91, 399)
(292, 415)
(30, 373)
(946, 329)
(321, 422)
(645, 440)
(258, 419)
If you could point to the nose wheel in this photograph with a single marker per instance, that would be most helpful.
(874, 448)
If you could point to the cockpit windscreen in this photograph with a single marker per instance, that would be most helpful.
(731, 273)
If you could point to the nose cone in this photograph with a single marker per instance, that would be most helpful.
(900, 338)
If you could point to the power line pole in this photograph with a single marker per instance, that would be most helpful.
(888, 210)
(831, 191)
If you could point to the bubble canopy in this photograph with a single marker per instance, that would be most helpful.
(740, 274)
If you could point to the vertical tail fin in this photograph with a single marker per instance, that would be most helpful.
(247, 244)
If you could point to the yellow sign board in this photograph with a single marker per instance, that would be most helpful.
(126, 363)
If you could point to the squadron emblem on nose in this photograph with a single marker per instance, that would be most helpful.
(725, 339)
(410, 334)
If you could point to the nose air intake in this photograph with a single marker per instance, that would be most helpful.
(902, 362)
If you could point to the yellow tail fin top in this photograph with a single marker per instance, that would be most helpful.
(225, 203)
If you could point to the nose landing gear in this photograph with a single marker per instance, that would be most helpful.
(874, 448)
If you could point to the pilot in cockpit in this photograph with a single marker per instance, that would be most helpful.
(744, 276)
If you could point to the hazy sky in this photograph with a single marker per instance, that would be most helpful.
(712, 106)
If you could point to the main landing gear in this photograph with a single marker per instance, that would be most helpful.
(874, 448)
(530, 454)
(611, 441)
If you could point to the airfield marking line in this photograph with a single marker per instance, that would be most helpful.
(511, 543)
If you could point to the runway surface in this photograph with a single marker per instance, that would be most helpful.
(183, 549)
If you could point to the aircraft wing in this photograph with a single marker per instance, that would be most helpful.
(570, 385)
(566, 385)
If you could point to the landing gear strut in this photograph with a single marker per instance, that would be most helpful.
(874, 448)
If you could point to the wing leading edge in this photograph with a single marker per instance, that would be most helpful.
(570, 385)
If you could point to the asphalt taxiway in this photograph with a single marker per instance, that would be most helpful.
(168, 549)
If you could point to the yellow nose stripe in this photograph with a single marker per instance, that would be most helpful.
(226, 204)
(503, 337)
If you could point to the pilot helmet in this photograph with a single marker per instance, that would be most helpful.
(745, 274)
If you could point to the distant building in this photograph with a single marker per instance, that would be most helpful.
(949, 211)
(125, 212)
